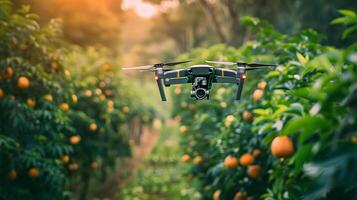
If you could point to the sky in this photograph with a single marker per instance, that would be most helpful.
(143, 9)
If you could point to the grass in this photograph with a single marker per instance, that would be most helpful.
(161, 176)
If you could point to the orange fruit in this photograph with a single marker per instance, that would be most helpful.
(223, 104)
(354, 139)
(73, 167)
(110, 104)
(48, 97)
(228, 121)
(106, 67)
(186, 158)
(102, 84)
(192, 107)
(93, 127)
(125, 109)
(88, 93)
(257, 95)
(75, 139)
(74, 98)
(1, 93)
(65, 158)
(31, 102)
(12, 175)
(246, 159)
(64, 107)
(183, 129)
(240, 196)
(33, 172)
(23, 82)
(198, 160)
(98, 91)
(282, 147)
(67, 73)
(93, 165)
(256, 153)
(262, 85)
(108, 92)
(216, 195)
(247, 116)
(254, 171)
(54, 66)
(178, 89)
(7, 73)
(231, 162)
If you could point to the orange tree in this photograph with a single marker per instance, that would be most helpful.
(293, 134)
(56, 128)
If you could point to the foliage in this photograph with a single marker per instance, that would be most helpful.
(57, 129)
(310, 97)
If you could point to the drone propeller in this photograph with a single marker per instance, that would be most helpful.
(153, 67)
(247, 66)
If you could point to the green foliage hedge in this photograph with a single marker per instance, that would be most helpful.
(310, 98)
(65, 127)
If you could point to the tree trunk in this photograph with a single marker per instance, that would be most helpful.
(234, 21)
(209, 11)
(85, 188)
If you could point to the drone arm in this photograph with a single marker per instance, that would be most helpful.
(161, 89)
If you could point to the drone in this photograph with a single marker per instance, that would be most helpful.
(201, 76)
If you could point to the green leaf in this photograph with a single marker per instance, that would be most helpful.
(306, 126)
(349, 13)
(349, 31)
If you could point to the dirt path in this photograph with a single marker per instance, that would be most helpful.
(109, 189)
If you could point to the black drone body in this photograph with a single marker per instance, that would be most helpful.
(200, 76)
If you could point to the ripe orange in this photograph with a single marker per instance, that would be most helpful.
(54, 66)
(7, 73)
(216, 195)
(1, 93)
(67, 73)
(33, 172)
(65, 159)
(125, 109)
(246, 159)
(262, 85)
(231, 162)
(31, 102)
(108, 92)
(64, 107)
(186, 158)
(23, 82)
(102, 84)
(192, 107)
(110, 104)
(183, 129)
(223, 104)
(93, 165)
(178, 89)
(198, 160)
(48, 97)
(98, 91)
(256, 153)
(12, 175)
(88, 93)
(228, 121)
(257, 95)
(282, 147)
(106, 67)
(73, 167)
(254, 171)
(75, 139)
(74, 98)
(93, 127)
(247, 116)
(240, 196)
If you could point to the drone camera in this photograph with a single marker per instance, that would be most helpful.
(200, 88)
